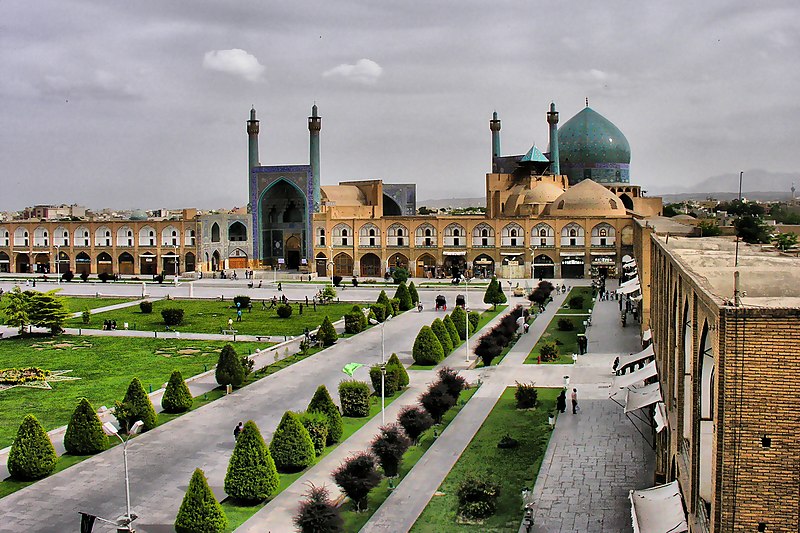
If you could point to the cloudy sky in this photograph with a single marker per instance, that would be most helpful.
(143, 104)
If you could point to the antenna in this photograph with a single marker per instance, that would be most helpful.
(736, 253)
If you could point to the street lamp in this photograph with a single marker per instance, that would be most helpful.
(383, 365)
(58, 260)
(466, 320)
(109, 429)
(331, 266)
(175, 246)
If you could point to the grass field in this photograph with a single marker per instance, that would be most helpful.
(211, 316)
(105, 366)
(354, 521)
(76, 304)
(567, 340)
(512, 469)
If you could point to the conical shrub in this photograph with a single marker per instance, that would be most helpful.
(32, 455)
(402, 380)
(229, 368)
(322, 403)
(200, 510)
(317, 426)
(291, 446)
(404, 296)
(252, 476)
(136, 406)
(84, 434)
(459, 318)
(383, 299)
(427, 348)
(327, 333)
(412, 290)
(451, 330)
(176, 398)
(444, 337)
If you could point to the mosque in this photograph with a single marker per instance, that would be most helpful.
(564, 213)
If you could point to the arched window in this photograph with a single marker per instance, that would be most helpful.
(102, 236)
(147, 236)
(320, 234)
(169, 236)
(215, 232)
(509, 235)
(543, 235)
(369, 235)
(41, 237)
(124, 236)
(81, 236)
(189, 239)
(396, 235)
(425, 235)
(4, 237)
(603, 235)
(572, 235)
(483, 235)
(341, 235)
(237, 232)
(453, 234)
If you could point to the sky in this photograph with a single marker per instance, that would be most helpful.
(143, 104)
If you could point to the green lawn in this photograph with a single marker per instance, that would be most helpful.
(210, 316)
(76, 304)
(511, 468)
(568, 339)
(237, 514)
(354, 521)
(105, 366)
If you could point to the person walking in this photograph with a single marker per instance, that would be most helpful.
(561, 401)
(230, 323)
(238, 315)
(574, 401)
(237, 430)
(280, 287)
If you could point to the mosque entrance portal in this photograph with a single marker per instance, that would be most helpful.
(293, 252)
(283, 217)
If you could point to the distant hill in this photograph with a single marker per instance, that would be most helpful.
(754, 180)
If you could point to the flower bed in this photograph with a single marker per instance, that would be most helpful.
(16, 376)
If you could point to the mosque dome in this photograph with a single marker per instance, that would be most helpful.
(344, 195)
(592, 147)
(543, 193)
(587, 199)
(138, 214)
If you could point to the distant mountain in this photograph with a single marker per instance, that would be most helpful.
(453, 202)
(754, 180)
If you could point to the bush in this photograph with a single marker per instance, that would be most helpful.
(321, 402)
(353, 322)
(136, 406)
(415, 421)
(477, 498)
(565, 324)
(356, 477)
(229, 368)
(548, 351)
(105, 276)
(176, 398)
(412, 291)
(317, 426)
(427, 348)
(172, 316)
(460, 322)
(382, 298)
(284, 310)
(327, 333)
(526, 395)
(451, 330)
(328, 293)
(576, 302)
(146, 307)
(317, 513)
(487, 349)
(402, 376)
(400, 275)
(291, 446)
(473, 318)
(337, 280)
(379, 310)
(241, 301)
(444, 337)
(68, 276)
(389, 446)
(494, 294)
(84, 276)
(452, 381)
(84, 434)
(404, 297)
(86, 316)
(507, 442)
(354, 396)
(32, 455)
(538, 296)
(437, 401)
(199, 510)
(390, 382)
(252, 476)
(395, 305)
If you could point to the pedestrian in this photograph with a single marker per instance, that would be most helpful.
(301, 308)
(238, 315)
(230, 323)
(263, 305)
(306, 299)
(280, 287)
(526, 327)
(561, 401)
(259, 283)
(575, 401)
(615, 365)
(237, 430)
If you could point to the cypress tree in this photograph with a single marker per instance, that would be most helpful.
(412, 290)
(200, 510)
(291, 446)
(382, 298)
(404, 296)
(427, 348)
(136, 406)
(444, 337)
(252, 476)
(451, 330)
(176, 398)
(229, 368)
(394, 361)
(494, 293)
(321, 402)
(327, 333)
(84, 434)
(32, 455)
(317, 426)
(459, 318)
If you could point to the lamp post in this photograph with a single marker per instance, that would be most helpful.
(58, 260)
(175, 246)
(466, 320)
(383, 365)
(109, 429)
(331, 266)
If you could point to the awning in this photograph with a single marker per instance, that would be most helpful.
(658, 509)
(660, 417)
(632, 264)
(629, 289)
(629, 282)
(627, 259)
(642, 397)
(172, 256)
(146, 255)
(603, 253)
(511, 253)
(647, 335)
(451, 252)
(571, 254)
(636, 357)
(626, 380)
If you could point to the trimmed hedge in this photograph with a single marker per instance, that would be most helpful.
(474, 319)
(412, 290)
(548, 351)
(317, 426)
(327, 333)
(172, 316)
(477, 498)
(459, 318)
(427, 348)
(176, 398)
(353, 323)
(565, 324)
(402, 380)
(32, 455)
(451, 330)
(136, 406)
(354, 396)
(229, 369)
(526, 395)
(444, 337)
(321, 402)
(391, 383)
(242, 300)
(146, 307)
(395, 305)
(252, 476)
(200, 510)
(404, 297)
(284, 310)
(576, 302)
(291, 446)
(84, 434)
(379, 310)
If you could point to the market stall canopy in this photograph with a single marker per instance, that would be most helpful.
(642, 397)
(620, 382)
(647, 335)
(658, 509)
(636, 357)
(660, 417)
(628, 283)
(630, 288)
(627, 259)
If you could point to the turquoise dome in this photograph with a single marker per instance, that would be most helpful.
(138, 214)
(592, 147)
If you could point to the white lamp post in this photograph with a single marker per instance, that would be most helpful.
(109, 429)
(466, 320)
(58, 260)
(175, 246)
(331, 265)
(383, 365)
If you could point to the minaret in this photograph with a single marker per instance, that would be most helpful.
(494, 125)
(552, 119)
(252, 136)
(314, 125)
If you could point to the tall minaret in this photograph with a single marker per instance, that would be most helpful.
(494, 125)
(314, 125)
(552, 119)
(252, 137)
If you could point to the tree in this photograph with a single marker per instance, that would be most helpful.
(451, 379)
(173, 316)
(136, 406)
(321, 402)
(412, 290)
(548, 351)
(751, 230)
(84, 434)
(200, 510)
(229, 368)
(415, 421)
(459, 318)
(389, 446)
(487, 349)
(291, 446)
(437, 401)
(391, 382)
(400, 275)
(427, 348)
(327, 333)
(451, 330)
(404, 296)
(784, 241)
(46, 310)
(252, 476)
(176, 398)
(356, 477)
(16, 309)
(708, 228)
(317, 513)
(402, 379)
(383, 299)
(444, 337)
(32, 455)
(494, 294)
(354, 397)
(317, 426)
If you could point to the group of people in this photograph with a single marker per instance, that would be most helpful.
(109, 325)
(561, 401)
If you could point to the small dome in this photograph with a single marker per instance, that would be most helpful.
(543, 193)
(592, 147)
(344, 195)
(138, 214)
(687, 220)
(515, 198)
(587, 199)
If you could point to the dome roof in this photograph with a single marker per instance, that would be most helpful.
(589, 137)
(344, 195)
(543, 193)
(138, 214)
(587, 199)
